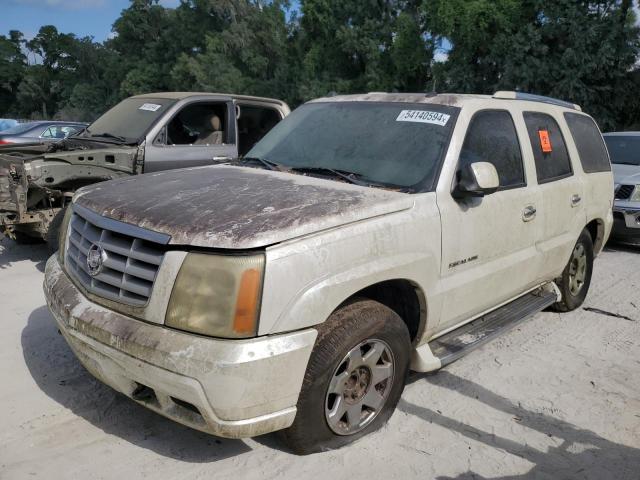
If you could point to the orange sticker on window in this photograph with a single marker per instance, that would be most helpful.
(545, 141)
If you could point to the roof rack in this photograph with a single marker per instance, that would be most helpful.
(504, 95)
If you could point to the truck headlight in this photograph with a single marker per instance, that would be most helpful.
(635, 196)
(217, 295)
(63, 232)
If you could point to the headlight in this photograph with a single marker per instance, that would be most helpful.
(217, 295)
(635, 196)
(62, 233)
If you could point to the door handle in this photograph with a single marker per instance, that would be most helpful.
(529, 213)
(221, 159)
(575, 200)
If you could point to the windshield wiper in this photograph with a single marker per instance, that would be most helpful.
(351, 177)
(108, 135)
(267, 163)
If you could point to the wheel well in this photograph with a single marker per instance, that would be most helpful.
(596, 230)
(404, 298)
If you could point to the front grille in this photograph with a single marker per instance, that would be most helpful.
(129, 263)
(624, 192)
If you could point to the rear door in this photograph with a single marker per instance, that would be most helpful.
(562, 190)
(187, 137)
(488, 244)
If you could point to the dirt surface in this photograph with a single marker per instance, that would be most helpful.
(557, 398)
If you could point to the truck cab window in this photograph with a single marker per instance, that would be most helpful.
(253, 124)
(199, 124)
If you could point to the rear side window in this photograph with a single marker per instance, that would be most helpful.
(492, 138)
(591, 147)
(549, 149)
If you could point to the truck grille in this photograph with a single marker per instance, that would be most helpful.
(624, 192)
(129, 264)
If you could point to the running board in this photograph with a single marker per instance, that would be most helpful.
(453, 345)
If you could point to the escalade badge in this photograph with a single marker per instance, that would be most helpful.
(95, 259)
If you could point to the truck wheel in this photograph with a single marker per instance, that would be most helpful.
(356, 374)
(576, 277)
(52, 234)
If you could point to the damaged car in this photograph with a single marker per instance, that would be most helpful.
(364, 236)
(145, 133)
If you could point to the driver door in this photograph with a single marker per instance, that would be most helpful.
(489, 244)
(180, 142)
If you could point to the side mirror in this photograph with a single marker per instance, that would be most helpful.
(477, 180)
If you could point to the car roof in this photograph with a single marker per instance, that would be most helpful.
(499, 99)
(622, 134)
(217, 96)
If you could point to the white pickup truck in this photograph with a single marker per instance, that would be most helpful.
(364, 236)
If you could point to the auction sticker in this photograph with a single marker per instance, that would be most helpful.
(423, 116)
(150, 107)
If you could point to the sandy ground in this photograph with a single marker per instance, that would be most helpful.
(557, 398)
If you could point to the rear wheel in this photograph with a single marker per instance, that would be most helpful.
(354, 379)
(576, 277)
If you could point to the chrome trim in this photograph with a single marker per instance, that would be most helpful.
(121, 227)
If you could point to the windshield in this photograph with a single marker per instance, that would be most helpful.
(20, 128)
(623, 149)
(393, 144)
(130, 119)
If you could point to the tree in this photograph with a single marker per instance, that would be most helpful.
(12, 68)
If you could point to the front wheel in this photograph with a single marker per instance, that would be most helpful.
(576, 277)
(354, 379)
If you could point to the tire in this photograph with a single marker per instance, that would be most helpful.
(364, 329)
(52, 234)
(580, 266)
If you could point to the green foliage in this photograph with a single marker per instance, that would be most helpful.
(586, 52)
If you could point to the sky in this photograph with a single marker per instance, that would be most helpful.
(82, 17)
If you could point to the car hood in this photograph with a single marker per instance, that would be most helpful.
(626, 174)
(232, 207)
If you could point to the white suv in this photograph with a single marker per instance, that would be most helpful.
(363, 236)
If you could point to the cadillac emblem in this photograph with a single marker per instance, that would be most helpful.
(95, 259)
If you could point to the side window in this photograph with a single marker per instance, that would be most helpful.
(253, 124)
(48, 133)
(492, 138)
(549, 149)
(198, 124)
(588, 140)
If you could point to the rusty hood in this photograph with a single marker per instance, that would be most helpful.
(233, 207)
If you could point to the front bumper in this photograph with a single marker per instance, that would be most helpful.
(230, 388)
(626, 220)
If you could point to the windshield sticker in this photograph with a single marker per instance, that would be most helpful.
(150, 107)
(423, 116)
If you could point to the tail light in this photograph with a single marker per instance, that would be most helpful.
(4, 142)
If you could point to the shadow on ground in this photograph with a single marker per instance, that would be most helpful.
(616, 246)
(11, 252)
(60, 375)
(581, 454)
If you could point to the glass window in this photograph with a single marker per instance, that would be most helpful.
(198, 124)
(131, 119)
(624, 149)
(253, 124)
(588, 140)
(492, 138)
(394, 144)
(549, 149)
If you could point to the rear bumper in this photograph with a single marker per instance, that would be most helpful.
(230, 388)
